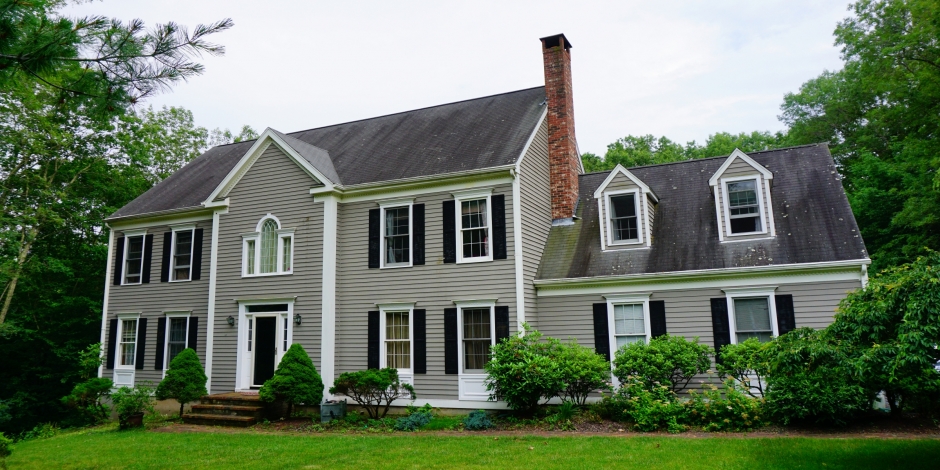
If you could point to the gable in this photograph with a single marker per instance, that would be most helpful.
(272, 172)
(739, 164)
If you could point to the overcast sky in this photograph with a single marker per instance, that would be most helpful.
(679, 69)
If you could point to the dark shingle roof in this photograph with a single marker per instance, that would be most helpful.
(813, 221)
(467, 135)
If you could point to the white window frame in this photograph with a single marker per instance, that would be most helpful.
(282, 234)
(750, 293)
(631, 299)
(396, 204)
(192, 249)
(472, 386)
(124, 374)
(464, 196)
(244, 363)
(640, 215)
(166, 336)
(405, 375)
(127, 236)
(762, 215)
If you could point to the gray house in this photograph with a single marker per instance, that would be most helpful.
(417, 240)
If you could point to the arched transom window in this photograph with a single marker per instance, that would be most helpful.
(269, 250)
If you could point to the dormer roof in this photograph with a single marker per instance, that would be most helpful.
(738, 154)
(620, 170)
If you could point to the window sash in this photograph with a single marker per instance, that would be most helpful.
(397, 234)
(752, 319)
(397, 340)
(182, 254)
(624, 221)
(477, 337)
(128, 342)
(250, 248)
(269, 241)
(177, 334)
(474, 229)
(629, 324)
(286, 244)
(134, 260)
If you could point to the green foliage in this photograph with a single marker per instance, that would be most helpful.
(647, 408)
(374, 389)
(731, 411)
(566, 410)
(295, 381)
(671, 361)
(810, 381)
(746, 363)
(6, 446)
(413, 421)
(477, 421)
(86, 398)
(131, 401)
(185, 380)
(524, 370)
(583, 371)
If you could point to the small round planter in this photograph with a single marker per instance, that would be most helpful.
(135, 420)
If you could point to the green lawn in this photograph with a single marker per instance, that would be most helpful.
(145, 449)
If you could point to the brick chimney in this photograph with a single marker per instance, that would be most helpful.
(564, 161)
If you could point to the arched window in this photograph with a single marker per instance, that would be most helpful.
(269, 250)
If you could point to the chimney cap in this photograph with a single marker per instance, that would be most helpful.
(556, 40)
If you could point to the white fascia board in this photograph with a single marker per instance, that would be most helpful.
(713, 181)
(620, 170)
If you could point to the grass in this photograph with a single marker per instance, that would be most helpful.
(106, 448)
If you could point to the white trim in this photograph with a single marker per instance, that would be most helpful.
(471, 387)
(459, 198)
(244, 372)
(128, 234)
(517, 252)
(743, 156)
(328, 291)
(166, 336)
(171, 275)
(108, 274)
(864, 276)
(396, 204)
(153, 219)
(767, 292)
(613, 300)
(718, 212)
(213, 276)
(636, 200)
(282, 234)
(475, 303)
(125, 374)
(406, 375)
(396, 306)
(620, 170)
(762, 210)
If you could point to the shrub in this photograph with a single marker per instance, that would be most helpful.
(86, 398)
(185, 380)
(295, 381)
(583, 371)
(524, 370)
(649, 409)
(413, 421)
(810, 381)
(4, 412)
(477, 421)
(667, 360)
(373, 389)
(131, 401)
(6, 446)
(747, 364)
(734, 411)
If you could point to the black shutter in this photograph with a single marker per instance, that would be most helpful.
(421, 337)
(141, 342)
(193, 333)
(601, 333)
(786, 320)
(720, 325)
(161, 343)
(657, 318)
(167, 248)
(502, 323)
(417, 240)
(499, 226)
(373, 348)
(119, 261)
(112, 341)
(197, 255)
(450, 234)
(450, 339)
(374, 226)
(148, 253)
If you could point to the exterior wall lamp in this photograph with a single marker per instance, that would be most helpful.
(297, 319)
(231, 320)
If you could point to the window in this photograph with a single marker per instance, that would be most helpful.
(477, 337)
(127, 342)
(177, 333)
(396, 245)
(744, 210)
(182, 254)
(474, 234)
(269, 250)
(133, 259)
(752, 319)
(397, 340)
(629, 324)
(623, 218)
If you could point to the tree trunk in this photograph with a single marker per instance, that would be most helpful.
(181, 409)
(20, 261)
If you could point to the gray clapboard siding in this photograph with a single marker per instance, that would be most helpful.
(153, 300)
(433, 286)
(739, 168)
(536, 212)
(275, 184)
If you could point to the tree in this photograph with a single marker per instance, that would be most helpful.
(373, 389)
(295, 381)
(185, 380)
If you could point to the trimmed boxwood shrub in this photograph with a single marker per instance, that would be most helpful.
(373, 389)
(667, 360)
(185, 380)
(295, 381)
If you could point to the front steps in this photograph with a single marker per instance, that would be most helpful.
(226, 409)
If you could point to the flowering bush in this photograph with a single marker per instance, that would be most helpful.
(735, 411)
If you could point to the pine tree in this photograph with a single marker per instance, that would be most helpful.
(185, 380)
(295, 381)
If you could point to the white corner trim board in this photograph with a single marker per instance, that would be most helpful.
(213, 276)
(328, 303)
(107, 289)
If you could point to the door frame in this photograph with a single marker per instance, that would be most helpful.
(244, 367)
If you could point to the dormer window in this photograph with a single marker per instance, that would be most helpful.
(625, 207)
(742, 199)
(743, 207)
(623, 218)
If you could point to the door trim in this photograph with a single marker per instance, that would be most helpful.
(244, 366)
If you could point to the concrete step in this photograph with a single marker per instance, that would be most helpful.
(218, 420)
(229, 410)
(232, 399)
